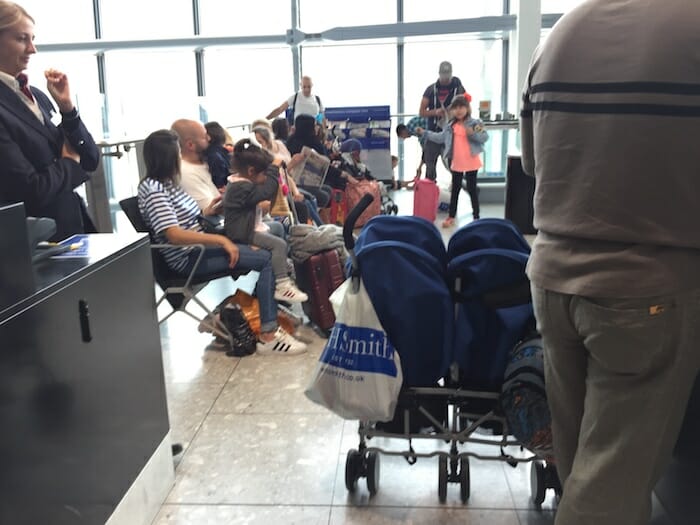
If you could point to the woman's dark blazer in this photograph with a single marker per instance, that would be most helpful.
(32, 169)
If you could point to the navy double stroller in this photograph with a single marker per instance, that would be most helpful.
(454, 315)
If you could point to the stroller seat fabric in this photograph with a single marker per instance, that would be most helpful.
(413, 304)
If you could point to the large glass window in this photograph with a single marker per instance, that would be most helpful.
(55, 22)
(558, 6)
(81, 69)
(318, 15)
(420, 10)
(147, 90)
(246, 83)
(135, 19)
(352, 75)
(226, 18)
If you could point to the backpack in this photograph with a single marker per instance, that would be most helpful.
(290, 111)
(524, 399)
(243, 341)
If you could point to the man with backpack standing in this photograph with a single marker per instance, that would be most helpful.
(301, 103)
(433, 106)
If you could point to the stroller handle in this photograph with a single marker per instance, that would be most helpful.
(352, 217)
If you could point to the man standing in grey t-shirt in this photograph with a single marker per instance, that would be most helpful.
(610, 123)
(433, 107)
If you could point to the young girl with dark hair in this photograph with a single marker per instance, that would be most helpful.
(256, 180)
(464, 139)
(171, 216)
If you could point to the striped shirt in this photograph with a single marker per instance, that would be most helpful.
(162, 206)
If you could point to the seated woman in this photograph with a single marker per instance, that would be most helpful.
(256, 180)
(171, 215)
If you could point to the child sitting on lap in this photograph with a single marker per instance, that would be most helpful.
(256, 180)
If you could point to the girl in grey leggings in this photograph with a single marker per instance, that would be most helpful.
(256, 180)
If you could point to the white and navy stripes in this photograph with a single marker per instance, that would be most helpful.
(162, 206)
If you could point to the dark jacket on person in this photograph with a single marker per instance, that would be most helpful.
(219, 161)
(305, 135)
(32, 169)
(240, 200)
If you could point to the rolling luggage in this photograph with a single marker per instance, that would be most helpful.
(353, 194)
(426, 195)
(520, 192)
(319, 276)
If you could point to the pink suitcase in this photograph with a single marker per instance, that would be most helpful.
(426, 196)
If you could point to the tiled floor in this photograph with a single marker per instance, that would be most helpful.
(257, 452)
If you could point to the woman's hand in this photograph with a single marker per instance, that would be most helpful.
(67, 152)
(57, 84)
(232, 251)
(349, 178)
(298, 197)
(214, 207)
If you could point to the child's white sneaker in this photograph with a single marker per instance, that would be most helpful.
(287, 292)
(282, 344)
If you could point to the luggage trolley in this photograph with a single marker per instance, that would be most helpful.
(455, 317)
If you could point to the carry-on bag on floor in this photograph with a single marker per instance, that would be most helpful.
(338, 207)
(353, 194)
(520, 192)
(319, 276)
(426, 195)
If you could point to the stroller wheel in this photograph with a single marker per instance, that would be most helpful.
(372, 472)
(537, 482)
(442, 479)
(464, 479)
(353, 466)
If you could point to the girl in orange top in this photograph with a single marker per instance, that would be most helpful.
(463, 138)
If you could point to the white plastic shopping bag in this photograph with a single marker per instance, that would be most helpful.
(358, 375)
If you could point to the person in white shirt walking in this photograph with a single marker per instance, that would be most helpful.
(302, 102)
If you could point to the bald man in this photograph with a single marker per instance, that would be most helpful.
(302, 102)
(196, 179)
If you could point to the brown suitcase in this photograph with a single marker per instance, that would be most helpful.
(319, 276)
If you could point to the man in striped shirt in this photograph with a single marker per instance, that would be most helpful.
(610, 124)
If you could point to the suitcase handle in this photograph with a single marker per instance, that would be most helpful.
(352, 217)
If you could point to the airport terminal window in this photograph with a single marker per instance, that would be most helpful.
(318, 15)
(226, 18)
(420, 10)
(353, 75)
(558, 6)
(147, 90)
(245, 83)
(50, 26)
(81, 68)
(135, 19)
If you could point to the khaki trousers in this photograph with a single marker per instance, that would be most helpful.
(619, 373)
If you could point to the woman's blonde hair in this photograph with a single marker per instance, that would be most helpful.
(11, 14)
